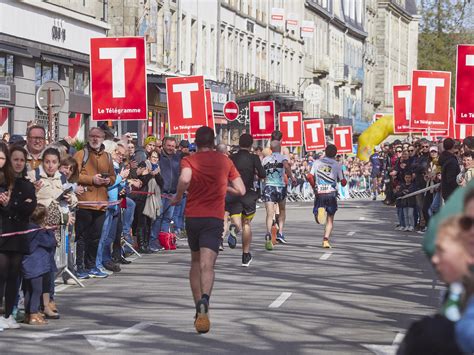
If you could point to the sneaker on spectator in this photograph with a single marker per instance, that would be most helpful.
(82, 274)
(105, 271)
(111, 266)
(96, 273)
(9, 323)
(409, 229)
(154, 249)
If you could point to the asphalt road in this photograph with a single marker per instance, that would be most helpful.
(357, 298)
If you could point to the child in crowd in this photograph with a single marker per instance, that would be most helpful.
(407, 204)
(37, 265)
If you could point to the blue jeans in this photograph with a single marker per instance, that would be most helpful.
(178, 215)
(436, 204)
(127, 221)
(108, 226)
(162, 223)
(106, 252)
(401, 219)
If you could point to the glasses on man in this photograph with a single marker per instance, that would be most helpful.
(411, 150)
(398, 150)
(425, 146)
(36, 138)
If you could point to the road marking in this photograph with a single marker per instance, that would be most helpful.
(382, 349)
(350, 234)
(325, 256)
(280, 300)
(101, 342)
(361, 218)
(398, 339)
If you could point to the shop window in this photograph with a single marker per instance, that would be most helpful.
(86, 83)
(79, 82)
(6, 66)
(45, 72)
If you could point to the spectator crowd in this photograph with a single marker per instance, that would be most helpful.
(112, 197)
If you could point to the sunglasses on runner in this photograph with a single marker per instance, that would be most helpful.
(466, 222)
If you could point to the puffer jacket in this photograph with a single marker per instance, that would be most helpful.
(98, 162)
(40, 254)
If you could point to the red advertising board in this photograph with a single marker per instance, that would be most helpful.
(210, 111)
(401, 108)
(459, 131)
(314, 134)
(262, 119)
(186, 104)
(342, 136)
(465, 84)
(291, 126)
(118, 79)
(430, 97)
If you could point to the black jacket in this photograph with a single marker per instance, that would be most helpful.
(170, 167)
(15, 217)
(248, 165)
(449, 171)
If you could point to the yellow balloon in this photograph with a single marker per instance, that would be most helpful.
(373, 136)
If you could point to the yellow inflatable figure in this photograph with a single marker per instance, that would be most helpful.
(373, 136)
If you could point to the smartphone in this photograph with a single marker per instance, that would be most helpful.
(2, 190)
(63, 194)
(105, 175)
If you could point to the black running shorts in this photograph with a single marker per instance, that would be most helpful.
(204, 232)
(245, 205)
(326, 201)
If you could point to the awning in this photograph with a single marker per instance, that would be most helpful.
(80, 63)
(56, 60)
(18, 51)
(283, 101)
(157, 71)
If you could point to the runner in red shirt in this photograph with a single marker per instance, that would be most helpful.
(206, 176)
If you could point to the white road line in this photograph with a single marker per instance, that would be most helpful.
(280, 300)
(350, 234)
(361, 218)
(325, 256)
(398, 338)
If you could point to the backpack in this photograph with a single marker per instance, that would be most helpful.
(85, 158)
(38, 176)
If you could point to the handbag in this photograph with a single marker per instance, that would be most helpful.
(167, 240)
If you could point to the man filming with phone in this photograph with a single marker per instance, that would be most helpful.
(96, 173)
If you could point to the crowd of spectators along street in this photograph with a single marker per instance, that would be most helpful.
(102, 191)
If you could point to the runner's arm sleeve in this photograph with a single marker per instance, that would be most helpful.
(259, 167)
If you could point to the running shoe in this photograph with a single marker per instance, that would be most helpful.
(96, 273)
(322, 216)
(268, 241)
(326, 244)
(232, 238)
(281, 238)
(202, 323)
(246, 259)
(82, 275)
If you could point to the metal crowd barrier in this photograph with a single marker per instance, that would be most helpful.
(304, 192)
(65, 252)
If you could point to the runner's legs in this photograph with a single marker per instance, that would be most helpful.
(246, 233)
(270, 207)
(201, 275)
(282, 215)
(329, 226)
